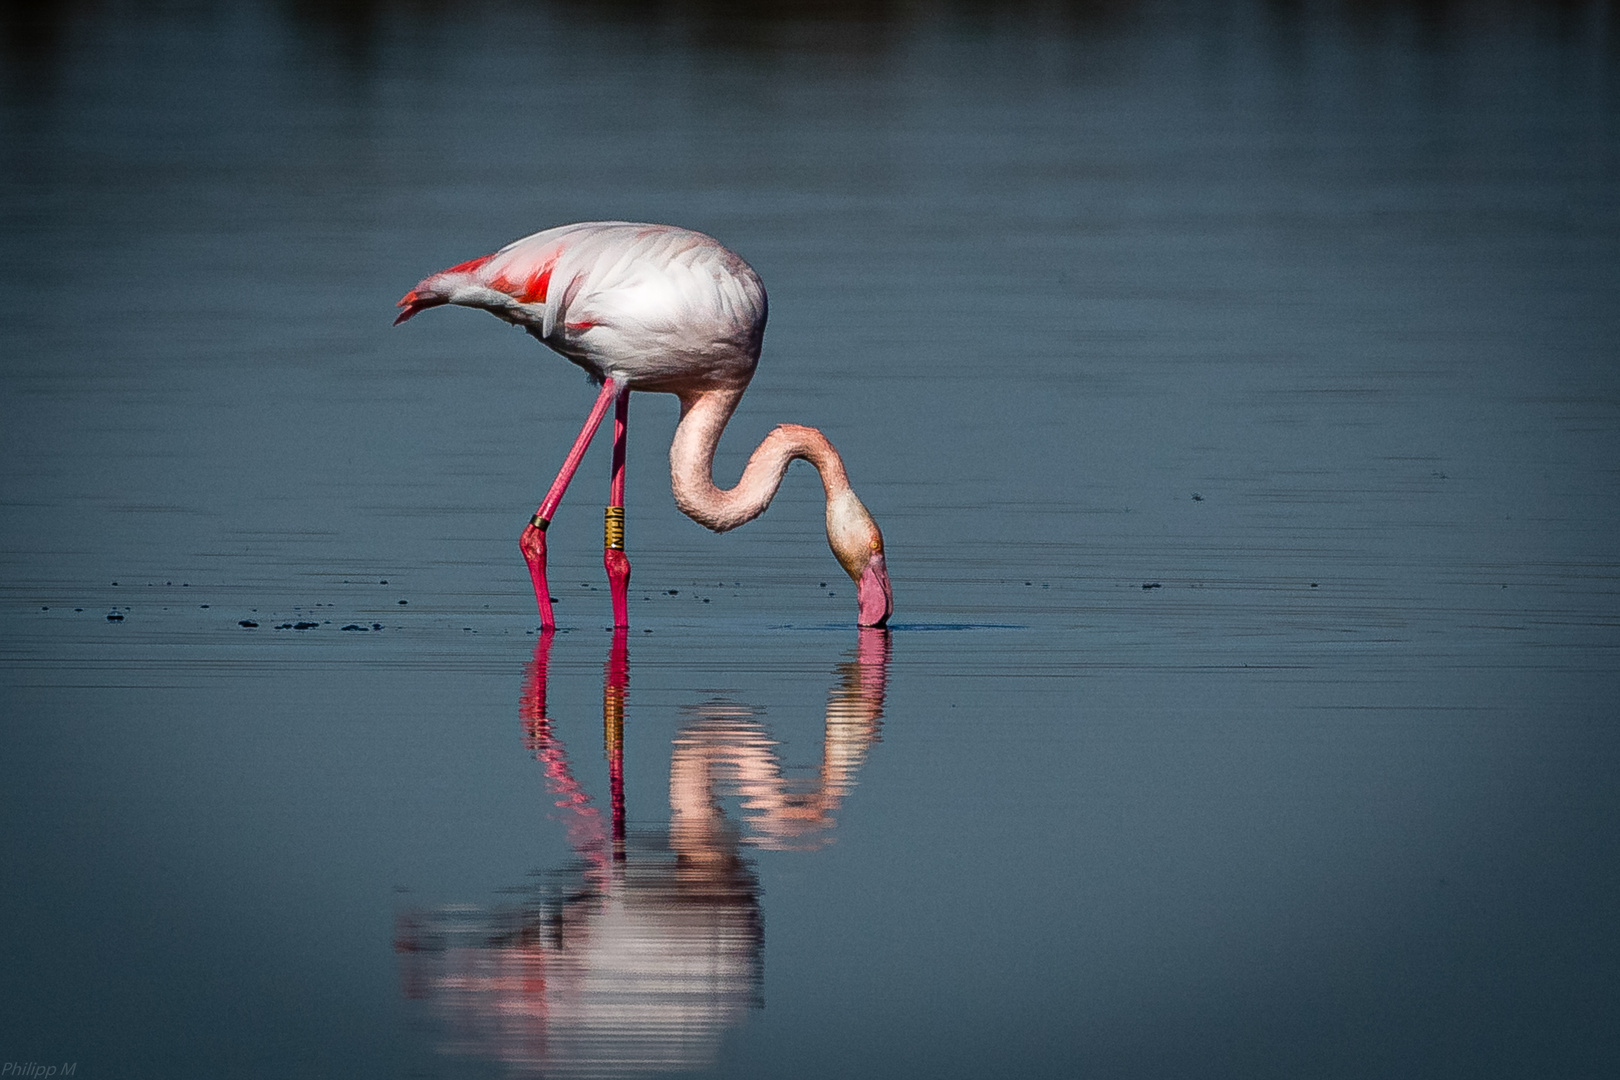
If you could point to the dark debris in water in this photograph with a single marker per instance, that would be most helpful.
(249, 623)
(1151, 585)
(114, 617)
(356, 626)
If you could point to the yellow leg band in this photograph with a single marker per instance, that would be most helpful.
(612, 719)
(613, 528)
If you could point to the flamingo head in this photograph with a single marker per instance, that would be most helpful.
(857, 543)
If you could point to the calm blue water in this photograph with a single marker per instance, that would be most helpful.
(1236, 386)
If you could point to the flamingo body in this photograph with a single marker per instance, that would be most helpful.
(659, 308)
(650, 306)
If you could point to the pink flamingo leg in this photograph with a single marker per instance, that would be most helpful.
(533, 540)
(616, 562)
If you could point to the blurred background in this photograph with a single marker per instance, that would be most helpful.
(1236, 386)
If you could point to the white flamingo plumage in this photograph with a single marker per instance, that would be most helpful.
(663, 309)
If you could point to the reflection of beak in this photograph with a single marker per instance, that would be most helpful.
(876, 600)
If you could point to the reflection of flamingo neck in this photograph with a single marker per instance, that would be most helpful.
(872, 654)
(854, 714)
(728, 752)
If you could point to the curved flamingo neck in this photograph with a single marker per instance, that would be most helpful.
(704, 416)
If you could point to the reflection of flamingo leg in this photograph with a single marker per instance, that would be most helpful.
(614, 559)
(532, 704)
(584, 822)
(533, 540)
(615, 680)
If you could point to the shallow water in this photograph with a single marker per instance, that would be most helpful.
(1236, 387)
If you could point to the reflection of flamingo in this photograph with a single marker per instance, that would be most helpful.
(727, 751)
(653, 307)
(655, 944)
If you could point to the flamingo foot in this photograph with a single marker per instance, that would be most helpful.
(875, 597)
(617, 564)
(533, 543)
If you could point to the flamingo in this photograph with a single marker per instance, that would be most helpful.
(665, 310)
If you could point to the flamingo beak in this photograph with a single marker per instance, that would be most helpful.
(875, 597)
(415, 301)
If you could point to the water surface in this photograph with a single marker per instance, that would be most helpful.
(1236, 388)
